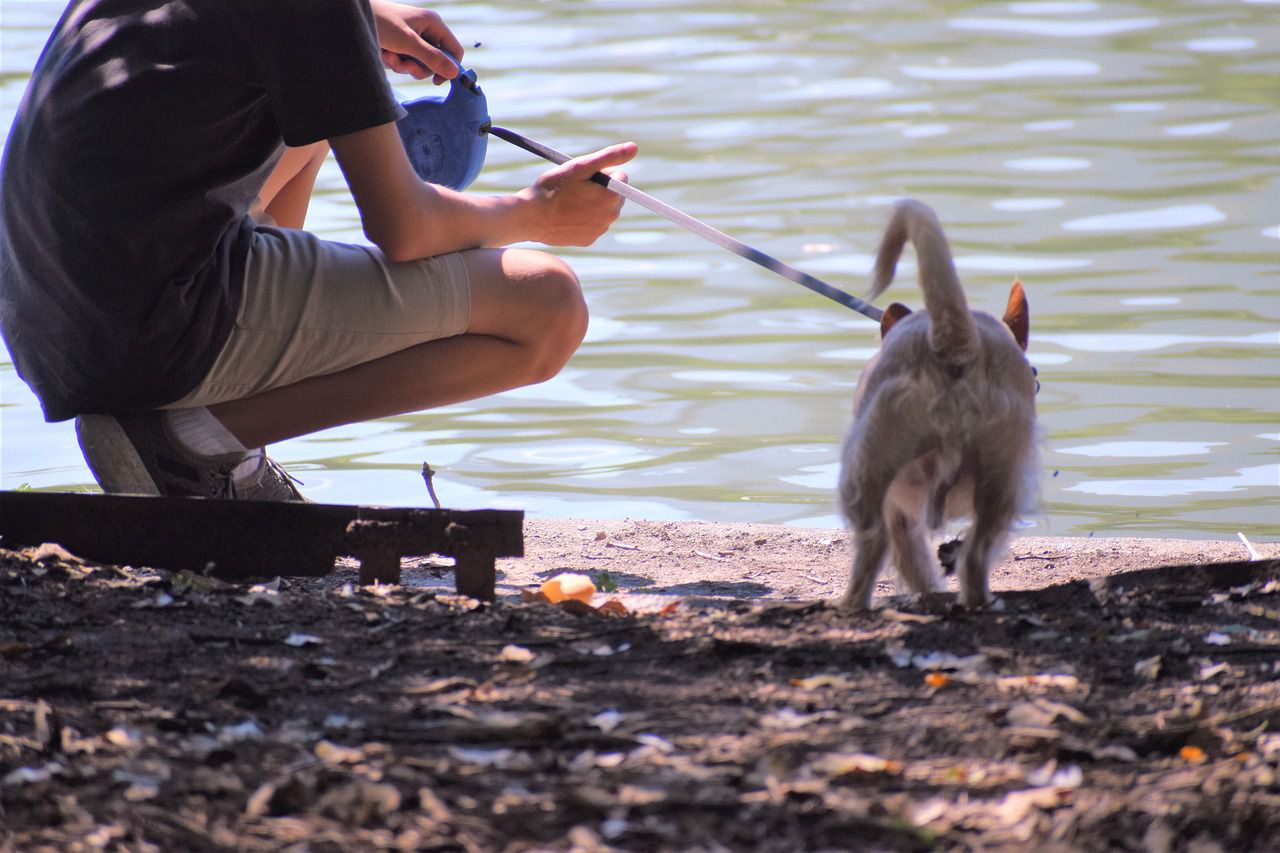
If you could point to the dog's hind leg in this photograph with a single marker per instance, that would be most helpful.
(994, 511)
(916, 569)
(982, 544)
(870, 545)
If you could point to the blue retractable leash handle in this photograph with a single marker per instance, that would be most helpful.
(446, 137)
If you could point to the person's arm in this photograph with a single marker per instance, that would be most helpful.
(408, 219)
(418, 34)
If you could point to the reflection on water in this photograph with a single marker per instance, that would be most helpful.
(1259, 476)
(1180, 216)
(1121, 160)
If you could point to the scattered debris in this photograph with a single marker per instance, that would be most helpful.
(298, 640)
(1148, 669)
(568, 587)
(326, 714)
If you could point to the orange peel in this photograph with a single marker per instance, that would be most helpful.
(568, 587)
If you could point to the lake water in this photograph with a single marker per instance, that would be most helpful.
(1123, 159)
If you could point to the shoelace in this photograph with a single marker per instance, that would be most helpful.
(269, 465)
(289, 479)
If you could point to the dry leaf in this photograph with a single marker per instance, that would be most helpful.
(51, 551)
(1148, 669)
(1050, 775)
(1043, 681)
(813, 682)
(839, 764)
(899, 616)
(1018, 804)
(515, 654)
(332, 753)
(613, 607)
(1041, 713)
(298, 640)
(1210, 670)
(790, 718)
(606, 721)
(120, 736)
(501, 759)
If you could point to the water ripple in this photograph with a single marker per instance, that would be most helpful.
(1009, 71)
(1027, 204)
(1205, 128)
(823, 90)
(1221, 45)
(1245, 478)
(1009, 263)
(1177, 216)
(1147, 342)
(1053, 7)
(1142, 449)
(1048, 164)
(1056, 29)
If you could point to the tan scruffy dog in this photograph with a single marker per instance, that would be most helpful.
(944, 425)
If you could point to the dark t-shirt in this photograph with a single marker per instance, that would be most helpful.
(144, 136)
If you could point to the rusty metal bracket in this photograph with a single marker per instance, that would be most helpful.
(241, 539)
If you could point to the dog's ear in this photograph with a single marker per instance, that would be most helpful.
(895, 312)
(1017, 316)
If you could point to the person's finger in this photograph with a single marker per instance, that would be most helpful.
(438, 62)
(588, 164)
(446, 40)
(404, 65)
(433, 43)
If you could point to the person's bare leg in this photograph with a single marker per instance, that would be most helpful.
(286, 195)
(527, 318)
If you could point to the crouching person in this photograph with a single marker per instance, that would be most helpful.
(155, 281)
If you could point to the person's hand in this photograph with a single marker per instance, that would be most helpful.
(576, 211)
(412, 40)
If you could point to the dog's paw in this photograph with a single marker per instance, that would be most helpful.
(975, 599)
(850, 603)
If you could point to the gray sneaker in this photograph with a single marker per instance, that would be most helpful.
(138, 454)
(269, 483)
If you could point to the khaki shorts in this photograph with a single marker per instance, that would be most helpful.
(312, 307)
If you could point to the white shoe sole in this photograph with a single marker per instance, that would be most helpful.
(107, 448)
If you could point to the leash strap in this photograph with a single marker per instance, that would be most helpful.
(698, 227)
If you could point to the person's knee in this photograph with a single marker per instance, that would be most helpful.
(560, 323)
(532, 299)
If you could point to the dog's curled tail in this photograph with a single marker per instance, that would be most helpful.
(952, 335)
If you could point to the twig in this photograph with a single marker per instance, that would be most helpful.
(1253, 552)
(427, 474)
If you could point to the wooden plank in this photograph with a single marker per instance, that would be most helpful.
(241, 539)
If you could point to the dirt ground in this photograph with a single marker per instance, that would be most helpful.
(722, 703)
